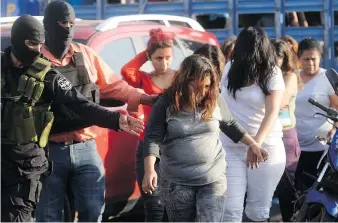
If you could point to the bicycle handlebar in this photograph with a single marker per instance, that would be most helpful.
(331, 113)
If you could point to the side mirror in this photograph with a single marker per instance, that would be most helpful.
(332, 76)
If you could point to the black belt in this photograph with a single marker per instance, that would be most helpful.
(67, 143)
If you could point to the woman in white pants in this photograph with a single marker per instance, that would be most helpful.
(253, 88)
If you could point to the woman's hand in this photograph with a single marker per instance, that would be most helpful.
(149, 182)
(256, 155)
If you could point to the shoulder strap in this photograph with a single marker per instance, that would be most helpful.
(78, 58)
(83, 75)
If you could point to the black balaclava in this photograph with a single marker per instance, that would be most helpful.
(24, 28)
(58, 38)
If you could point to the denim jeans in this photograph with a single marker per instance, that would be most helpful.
(153, 205)
(194, 203)
(80, 167)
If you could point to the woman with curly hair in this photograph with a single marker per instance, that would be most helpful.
(184, 125)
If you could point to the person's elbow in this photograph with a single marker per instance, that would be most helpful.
(125, 71)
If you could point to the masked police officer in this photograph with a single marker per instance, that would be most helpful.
(85, 70)
(28, 87)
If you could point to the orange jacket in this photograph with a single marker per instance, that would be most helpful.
(111, 86)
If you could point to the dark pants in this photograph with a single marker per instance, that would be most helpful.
(307, 163)
(285, 190)
(153, 205)
(80, 167)
(194, 203)
(21, 170)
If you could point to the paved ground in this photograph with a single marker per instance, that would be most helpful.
(275, 213)
(275, 216)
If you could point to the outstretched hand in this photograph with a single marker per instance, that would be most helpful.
(131, 125)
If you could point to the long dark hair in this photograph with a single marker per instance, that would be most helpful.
(194, 67)
(253, 61)
(215, 55)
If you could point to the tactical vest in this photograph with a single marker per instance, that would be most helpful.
(26, 118)
(77, 73)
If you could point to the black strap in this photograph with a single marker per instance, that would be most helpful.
(11, 83)
(82, 72)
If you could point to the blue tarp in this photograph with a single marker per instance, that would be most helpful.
(20, 7)
(32, 7)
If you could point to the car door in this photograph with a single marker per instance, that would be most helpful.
(117, 149)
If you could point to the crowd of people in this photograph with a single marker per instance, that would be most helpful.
(264, 86)
(223, 134)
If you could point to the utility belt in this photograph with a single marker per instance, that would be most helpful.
(69, 142)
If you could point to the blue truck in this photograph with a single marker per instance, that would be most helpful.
(228, 13)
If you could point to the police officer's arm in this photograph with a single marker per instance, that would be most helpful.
(60, 90)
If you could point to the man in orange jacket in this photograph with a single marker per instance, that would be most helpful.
(73, 151)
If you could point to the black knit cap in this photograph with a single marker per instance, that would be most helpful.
(26, 27)
(58, 11)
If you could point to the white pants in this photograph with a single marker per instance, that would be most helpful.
(259, 184)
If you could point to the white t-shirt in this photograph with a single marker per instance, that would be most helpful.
(249, 106)
(309, 126)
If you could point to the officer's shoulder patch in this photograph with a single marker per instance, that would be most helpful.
(65, 84)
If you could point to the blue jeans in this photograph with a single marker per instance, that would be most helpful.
(194, 203)
(79, 167)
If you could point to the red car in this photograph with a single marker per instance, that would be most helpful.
(117, 46)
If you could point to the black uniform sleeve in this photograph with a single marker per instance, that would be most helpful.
(228, 125)
(61, 91)
(156, 128)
